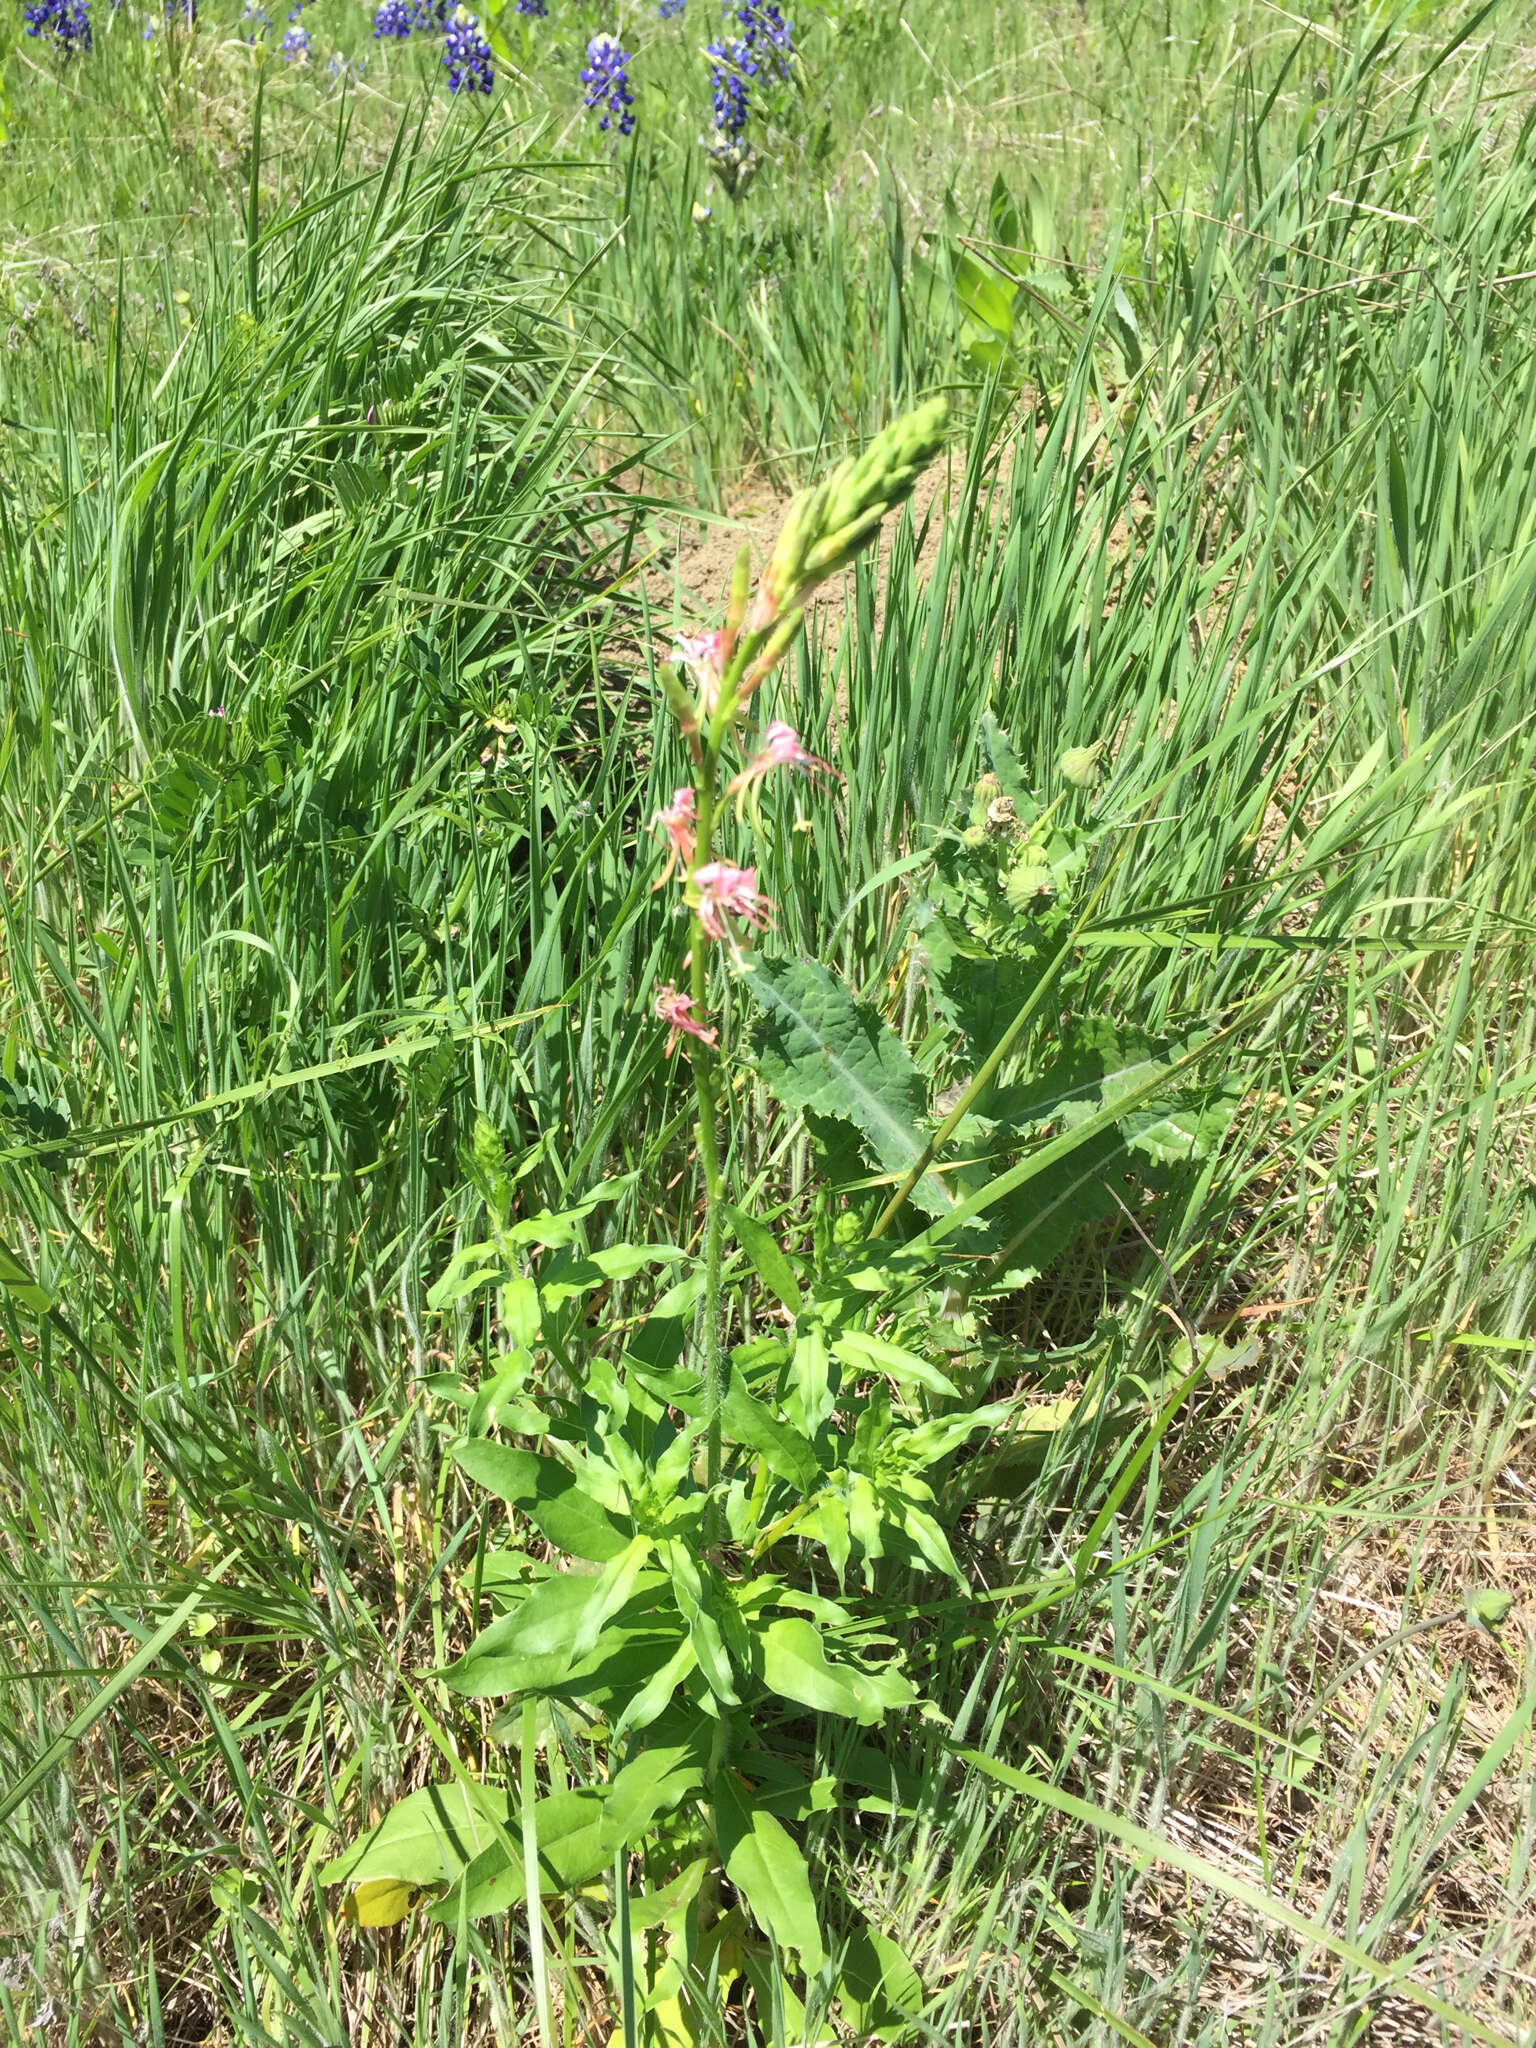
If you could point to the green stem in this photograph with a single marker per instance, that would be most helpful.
(706, 1082)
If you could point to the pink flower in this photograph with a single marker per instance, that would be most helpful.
(704, 657)
(676, 1009)
(781, 749)
(725, 892)
(677, 822)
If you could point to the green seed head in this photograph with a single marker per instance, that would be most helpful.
(1080, 765)
(826, 526)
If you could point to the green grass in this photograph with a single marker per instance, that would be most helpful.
(1286, 568)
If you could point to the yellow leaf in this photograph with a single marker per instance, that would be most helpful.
(381, 1902)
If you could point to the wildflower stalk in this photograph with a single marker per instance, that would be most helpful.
(706, 1084)
(823, 530)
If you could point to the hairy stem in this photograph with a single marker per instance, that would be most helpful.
(706, 1082)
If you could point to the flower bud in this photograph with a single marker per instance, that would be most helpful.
(1080, 765)
(1027, 882)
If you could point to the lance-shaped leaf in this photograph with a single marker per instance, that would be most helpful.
(764, 1863)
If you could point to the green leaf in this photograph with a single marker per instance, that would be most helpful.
(818, 1049)
(767, 1257)
(795, 1665)
(568, 1275)
(1008, 769)
(787, 1454)
(764, 1863)
(533, 1649)
(877, 1986)
(472, 1266)
(572, 1851)
(651, 1783)
(548, 1493)
(429, 1837)
(874, 1354)
(17, 1280)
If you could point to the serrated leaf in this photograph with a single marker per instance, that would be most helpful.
(819, 1049)
(764, 1863)
(548, 1493)
(1008, 769)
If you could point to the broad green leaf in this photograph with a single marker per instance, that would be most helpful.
(768, 1258)
(651, 1783)
(16, 1279)
(647, 1703)
(472, 1266)
(818, 1049)
(874, 1354)
(877, 1986)
(796, 1666)
(532, 1649)
(692, 1589)
(764, 1863)
(567, 1275)
(548, 1493)
(812, 1390)
(787, 1454)
(429, 1837)
(572, 1852)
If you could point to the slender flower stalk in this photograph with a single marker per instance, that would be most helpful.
(823, 530)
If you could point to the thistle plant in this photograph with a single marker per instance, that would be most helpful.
(823, 530)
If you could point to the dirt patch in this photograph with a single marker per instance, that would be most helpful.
(692, 581)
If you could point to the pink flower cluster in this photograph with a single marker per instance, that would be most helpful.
(722, 896)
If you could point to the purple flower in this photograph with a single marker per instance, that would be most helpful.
(537, 8)
(606, 78)
(295, 43)
(394, 18)
(467, 55)
(66, 22)
(670, 9)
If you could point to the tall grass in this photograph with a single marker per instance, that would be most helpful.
(328, 751)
